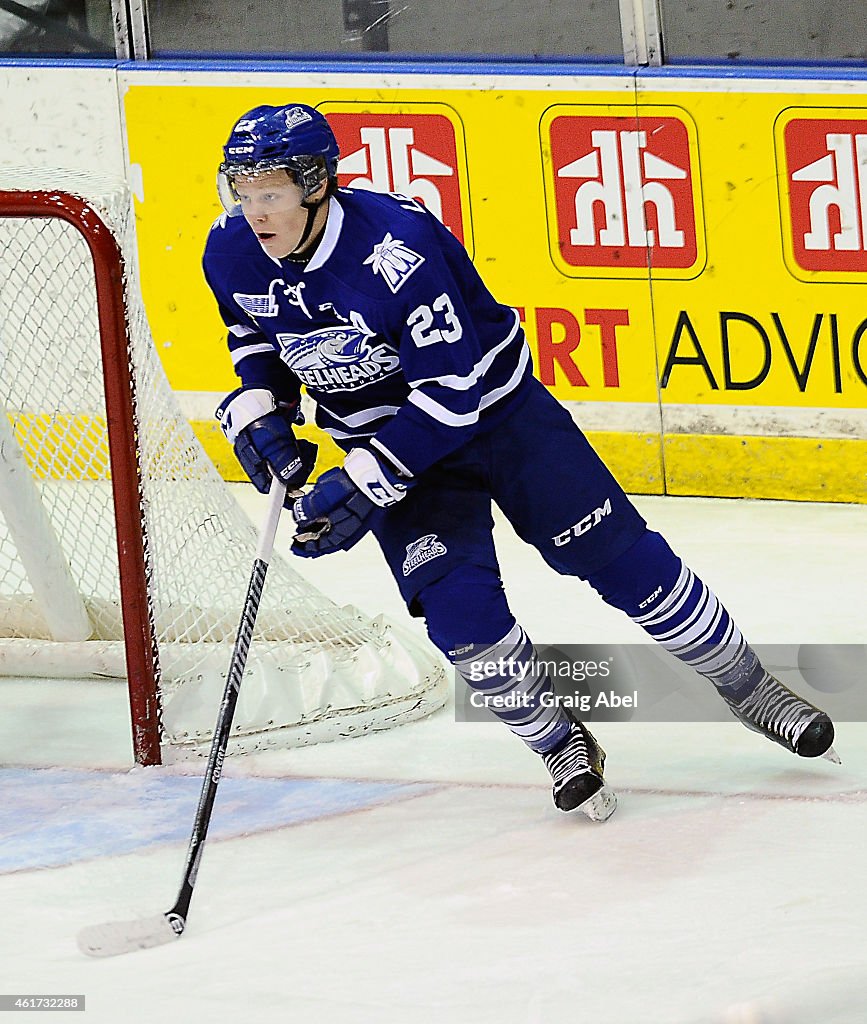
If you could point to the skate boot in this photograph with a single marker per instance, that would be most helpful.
(576, 767)
(784, 717)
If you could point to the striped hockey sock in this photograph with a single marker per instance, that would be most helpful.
(691, 624)
(516, 689)
(665, 597)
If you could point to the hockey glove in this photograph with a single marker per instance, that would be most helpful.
(338, 512)
(260, 430)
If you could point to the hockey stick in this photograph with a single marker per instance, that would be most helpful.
(117, 937)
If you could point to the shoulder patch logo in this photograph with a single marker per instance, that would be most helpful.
(422, 550)
(258, 305)
(394, 260)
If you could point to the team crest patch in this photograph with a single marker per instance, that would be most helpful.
(394, 260)
(338, 358)
(296, 116)
(422, 550)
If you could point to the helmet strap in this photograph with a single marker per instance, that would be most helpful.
(312, 210)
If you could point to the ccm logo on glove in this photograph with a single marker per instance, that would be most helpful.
(338, 512)
(260, 430)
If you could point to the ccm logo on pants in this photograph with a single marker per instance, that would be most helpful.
(583, 525)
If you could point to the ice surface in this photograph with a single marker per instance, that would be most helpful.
(423, 875)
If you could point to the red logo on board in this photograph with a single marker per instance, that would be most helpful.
(624, 191)
(413, 154)
(826, 167)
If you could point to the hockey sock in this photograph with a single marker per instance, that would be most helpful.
(515, 688)
(665, 597)
(501, 665)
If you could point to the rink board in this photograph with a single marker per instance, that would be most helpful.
(735, 312)
(734, 365)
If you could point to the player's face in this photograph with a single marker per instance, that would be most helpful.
(271, 204)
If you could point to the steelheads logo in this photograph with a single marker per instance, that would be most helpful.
(338, 358)
(422, 550)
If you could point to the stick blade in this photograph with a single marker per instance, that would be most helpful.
(117, 937)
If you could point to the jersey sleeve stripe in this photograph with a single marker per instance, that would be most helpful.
(249, 350)
(359, 419)
(240, 330)
(511, 383)
(463, 383)
(441, 414)
(341, 435)
(392, 458)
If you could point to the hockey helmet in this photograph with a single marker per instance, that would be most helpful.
(295, 137)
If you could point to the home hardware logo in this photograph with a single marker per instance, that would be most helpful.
(625, 192)
(823, 193)
(417, 151)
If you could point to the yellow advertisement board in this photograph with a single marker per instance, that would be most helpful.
(753, 328)
(663, 241)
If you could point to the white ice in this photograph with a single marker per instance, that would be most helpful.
(422, 875)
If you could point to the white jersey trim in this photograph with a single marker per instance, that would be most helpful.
(458, 383)
(358, 419)
(466, 419)
(392, 458)
(249, 350)
(240, 331)
(329, 239)
(342, 435)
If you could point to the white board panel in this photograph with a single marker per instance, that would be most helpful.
(61, 117)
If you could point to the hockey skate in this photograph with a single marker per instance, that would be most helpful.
(784, 717)
(576, 767)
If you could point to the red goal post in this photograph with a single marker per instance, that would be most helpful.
(109, 273)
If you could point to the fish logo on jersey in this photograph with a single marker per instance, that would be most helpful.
(421, 551)
(394, 260)
(338, 358)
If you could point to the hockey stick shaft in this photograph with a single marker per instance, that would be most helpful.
(116, 937)
(178, 914)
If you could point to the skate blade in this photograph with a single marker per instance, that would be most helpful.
(832, 756)
(601, 805)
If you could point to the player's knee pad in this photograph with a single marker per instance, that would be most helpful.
(467, 606)
(638, 578)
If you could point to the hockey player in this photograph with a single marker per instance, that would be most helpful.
(425, 381)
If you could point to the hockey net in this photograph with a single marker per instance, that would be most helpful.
(122, 552)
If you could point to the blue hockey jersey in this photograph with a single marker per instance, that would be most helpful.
(388, 327)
